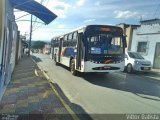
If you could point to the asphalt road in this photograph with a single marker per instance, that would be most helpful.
(106, 93)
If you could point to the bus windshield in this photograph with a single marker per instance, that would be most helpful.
(105, 44)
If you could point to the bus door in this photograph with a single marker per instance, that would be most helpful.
(79, 51)
(52, 52)
(52, 49)
(60, 49)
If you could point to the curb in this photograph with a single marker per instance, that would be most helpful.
(71, 112)
(154, 72)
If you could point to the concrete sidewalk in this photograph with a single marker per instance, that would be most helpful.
(155, 71)
(30, 96)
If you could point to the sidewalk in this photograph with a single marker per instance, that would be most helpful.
(30, 95)
(155, 71)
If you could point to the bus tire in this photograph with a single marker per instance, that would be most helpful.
(72, 68)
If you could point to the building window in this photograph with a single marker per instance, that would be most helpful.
(142, 47)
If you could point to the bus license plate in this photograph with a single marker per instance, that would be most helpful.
(146, 68)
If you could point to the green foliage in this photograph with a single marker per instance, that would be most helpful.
(38, 44)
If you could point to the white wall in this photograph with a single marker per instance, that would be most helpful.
(6, 45)
(2, 29)
(149, 33)
(20, 50)
(14, 45)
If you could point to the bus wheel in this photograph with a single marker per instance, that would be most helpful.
(129, 68)
(72, 67)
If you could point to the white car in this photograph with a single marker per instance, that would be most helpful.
(135, 62)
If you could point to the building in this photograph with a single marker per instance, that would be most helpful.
(8, 43)
(47, 49)
(146, 41)
(1, 14)
(1, 27)
(128, 32)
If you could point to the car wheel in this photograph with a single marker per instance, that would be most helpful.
(129, 68)
(72, 68)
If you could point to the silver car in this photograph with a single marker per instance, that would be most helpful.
(135, 62)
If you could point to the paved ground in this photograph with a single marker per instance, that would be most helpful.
(117, 93)
(29, 95)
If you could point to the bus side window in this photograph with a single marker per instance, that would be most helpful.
(65, 41)
(70, 36)
(70, 40)
(56, 43)
(52, 43)
(75, 34)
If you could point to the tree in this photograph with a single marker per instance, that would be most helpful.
(38, 45)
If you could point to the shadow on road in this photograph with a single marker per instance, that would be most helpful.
(76, 108)
(136, 83)
(126, 82)
(36, 59)
(150, 74)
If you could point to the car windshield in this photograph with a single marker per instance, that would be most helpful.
(135, 55)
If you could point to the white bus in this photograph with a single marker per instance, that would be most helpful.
(93, 48)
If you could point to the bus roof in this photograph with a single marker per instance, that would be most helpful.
(82, 28)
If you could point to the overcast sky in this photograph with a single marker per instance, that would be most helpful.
(75, 13)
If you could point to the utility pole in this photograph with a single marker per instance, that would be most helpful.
(29, 49)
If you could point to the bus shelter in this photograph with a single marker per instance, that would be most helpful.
(34, 8)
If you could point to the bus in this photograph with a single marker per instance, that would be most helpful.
(92, 48)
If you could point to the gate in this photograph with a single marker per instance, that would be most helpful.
(156, 63)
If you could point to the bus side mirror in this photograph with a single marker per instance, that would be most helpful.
(124, 41)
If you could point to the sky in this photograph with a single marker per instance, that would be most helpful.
(75, 13)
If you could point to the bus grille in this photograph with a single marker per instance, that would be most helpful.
(106, 68)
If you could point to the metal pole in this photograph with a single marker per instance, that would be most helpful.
(29, 49)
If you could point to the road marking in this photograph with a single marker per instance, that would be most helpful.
(36, 73)
(33, 60)
(45, 74)
(71, 112)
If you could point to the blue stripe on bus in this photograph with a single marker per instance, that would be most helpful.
(69, 52)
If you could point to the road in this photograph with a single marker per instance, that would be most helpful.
(106, 93)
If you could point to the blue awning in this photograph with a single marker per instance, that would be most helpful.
(34, 8)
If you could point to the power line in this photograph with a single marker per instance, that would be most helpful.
(35, 24)
(36, 17)
(35, 21)
(22, 16)
(28, 21)
(36, 28)
(47, 2)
